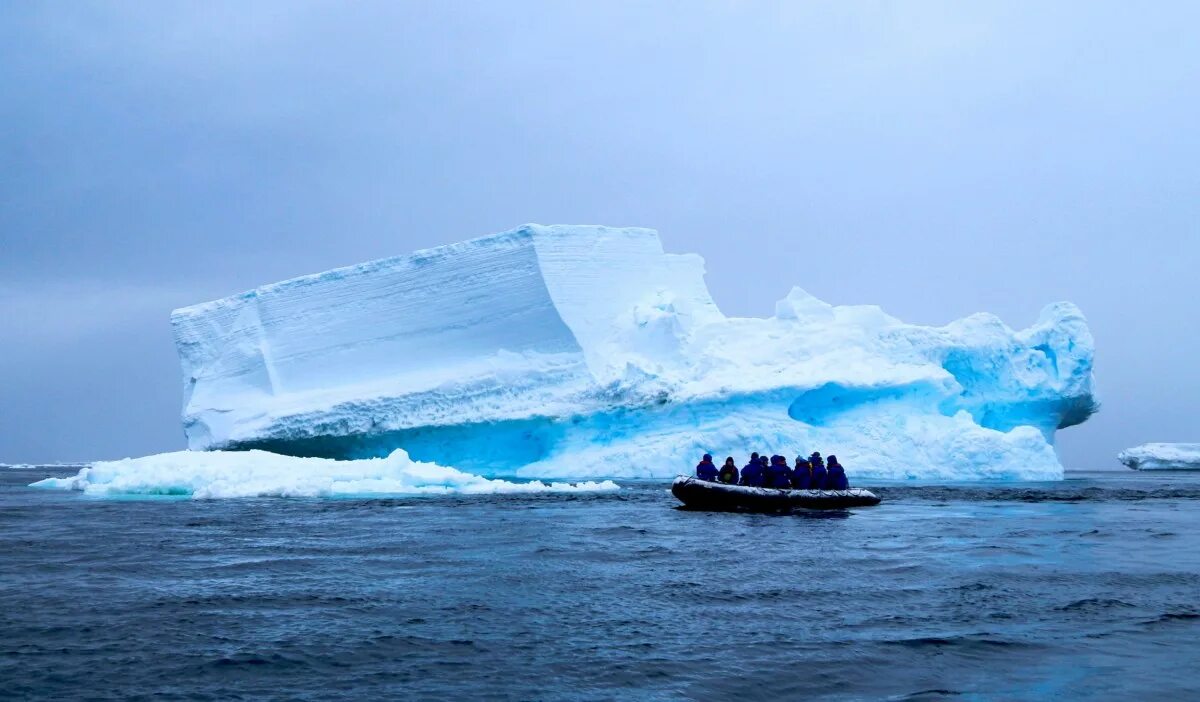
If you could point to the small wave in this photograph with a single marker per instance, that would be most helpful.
(249, 660)
(1174, 617)
(945, 495)
(216, 474)
(1094, 603)
(964, 642)
(935, 694)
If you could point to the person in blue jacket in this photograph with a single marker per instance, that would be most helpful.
(778, 474)
(818, 472)
(705, 470)
(801, 474)
(787, 472)
(729, 472)
(836, 480)
(752, 472)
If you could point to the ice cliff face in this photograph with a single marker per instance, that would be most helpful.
(572, 351)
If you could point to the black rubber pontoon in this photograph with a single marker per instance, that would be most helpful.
(701, 494)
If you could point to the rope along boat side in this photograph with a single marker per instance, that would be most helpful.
(701, 494)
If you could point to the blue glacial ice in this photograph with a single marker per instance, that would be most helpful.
(587, 351)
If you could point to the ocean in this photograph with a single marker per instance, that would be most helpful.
(1085, 589)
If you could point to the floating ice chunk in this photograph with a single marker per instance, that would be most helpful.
(1162, 457)
(206, 474)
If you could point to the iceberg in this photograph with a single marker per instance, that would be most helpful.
(1162, 457)
(217, 474)
(588, 351)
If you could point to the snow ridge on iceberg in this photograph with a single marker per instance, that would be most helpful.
(588, 351)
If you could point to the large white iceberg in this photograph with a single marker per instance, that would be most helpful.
(1162, 457)
(581, 351)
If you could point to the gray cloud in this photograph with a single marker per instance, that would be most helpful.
(938, 159)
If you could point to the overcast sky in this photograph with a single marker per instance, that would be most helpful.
(937, 159)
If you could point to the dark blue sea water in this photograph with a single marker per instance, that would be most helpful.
(1085, 589)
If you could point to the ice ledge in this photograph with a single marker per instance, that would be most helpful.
(523, 235)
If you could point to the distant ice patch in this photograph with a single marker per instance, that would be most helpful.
(216, 474)
(1162, 457)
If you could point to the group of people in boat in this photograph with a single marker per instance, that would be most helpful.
(810, 473)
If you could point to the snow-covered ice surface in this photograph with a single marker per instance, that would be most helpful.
(1162, 457)
(586, 351)
(204, 474)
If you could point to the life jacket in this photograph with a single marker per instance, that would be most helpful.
(728, 475)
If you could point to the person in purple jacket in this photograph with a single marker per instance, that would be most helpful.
(802, 474)
(779, 475)
(836, 479)
(705, 470)
(752, 472)
(818, 472)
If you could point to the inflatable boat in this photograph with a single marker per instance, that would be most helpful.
(701, 494)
